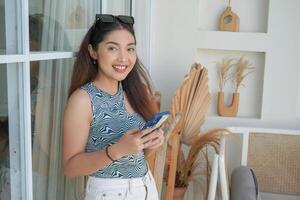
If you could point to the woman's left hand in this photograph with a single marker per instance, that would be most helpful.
(154, 139)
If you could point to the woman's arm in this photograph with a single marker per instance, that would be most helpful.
(77, 120)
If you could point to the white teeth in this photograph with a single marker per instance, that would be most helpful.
(121, 67)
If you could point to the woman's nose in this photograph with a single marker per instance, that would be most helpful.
(123, 56)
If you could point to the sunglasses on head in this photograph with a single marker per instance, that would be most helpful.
(105, 18)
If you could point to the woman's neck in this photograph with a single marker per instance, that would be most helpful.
(109, 86)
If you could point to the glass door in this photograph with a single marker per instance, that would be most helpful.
(38, 44)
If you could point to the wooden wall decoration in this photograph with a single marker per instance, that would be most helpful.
(232, 109)
(229, 21)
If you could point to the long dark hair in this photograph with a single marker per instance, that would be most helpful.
(137, 84)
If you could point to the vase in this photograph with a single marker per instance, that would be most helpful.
(179, 193)
(232, 109)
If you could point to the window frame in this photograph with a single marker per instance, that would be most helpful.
(18, 81)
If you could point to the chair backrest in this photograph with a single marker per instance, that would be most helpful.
(273, 154)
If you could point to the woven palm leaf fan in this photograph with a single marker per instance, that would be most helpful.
(192, 99)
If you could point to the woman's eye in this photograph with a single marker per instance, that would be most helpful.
(131, 49)
(112, 48)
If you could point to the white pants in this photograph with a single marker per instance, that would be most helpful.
(121, 189)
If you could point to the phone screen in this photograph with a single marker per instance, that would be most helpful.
(157, 120)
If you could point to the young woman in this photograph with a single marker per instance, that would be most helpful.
(110, 98)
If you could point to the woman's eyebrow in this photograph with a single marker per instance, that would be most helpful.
(115, 43)
(133, 43)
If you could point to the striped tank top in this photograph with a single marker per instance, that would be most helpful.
(110, 122)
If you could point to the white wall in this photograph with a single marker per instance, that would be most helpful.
(282, 71)
(174, 25)
(268, 28)
(2, 28)
(3, 91)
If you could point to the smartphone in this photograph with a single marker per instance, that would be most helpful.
(157, 120)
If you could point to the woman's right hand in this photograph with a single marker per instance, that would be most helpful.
(132, 142)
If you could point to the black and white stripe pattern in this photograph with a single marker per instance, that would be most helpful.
(110, 122)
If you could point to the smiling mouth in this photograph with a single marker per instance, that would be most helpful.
(120, 68)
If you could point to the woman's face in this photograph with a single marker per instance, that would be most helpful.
(116, 55)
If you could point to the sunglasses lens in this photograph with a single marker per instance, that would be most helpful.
(111, 18)
(105, 18)
(126, 19)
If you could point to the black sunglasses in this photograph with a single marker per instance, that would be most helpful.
(112, 18)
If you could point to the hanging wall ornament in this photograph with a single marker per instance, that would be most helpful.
(229, 21)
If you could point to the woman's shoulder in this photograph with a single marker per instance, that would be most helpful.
(79, 96)
(78, 110)
(79, 104)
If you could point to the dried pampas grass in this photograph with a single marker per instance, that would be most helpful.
(224, 71)
(212, 137)
(243, 69)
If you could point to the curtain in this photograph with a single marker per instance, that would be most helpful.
(60, 32)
